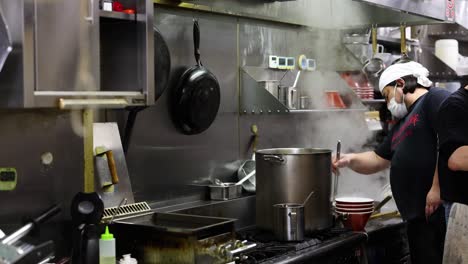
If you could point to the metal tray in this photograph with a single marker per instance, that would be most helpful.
(177, 224)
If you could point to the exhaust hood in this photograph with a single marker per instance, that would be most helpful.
(447, 10)
(434, 9)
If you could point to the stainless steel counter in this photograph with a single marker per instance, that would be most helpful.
(241, 209)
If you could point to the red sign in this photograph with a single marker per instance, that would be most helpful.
(450, 10)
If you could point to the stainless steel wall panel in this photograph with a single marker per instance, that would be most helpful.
(163, 163)
(257, 41)
(26, 135)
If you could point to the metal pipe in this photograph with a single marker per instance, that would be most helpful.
(18, 234)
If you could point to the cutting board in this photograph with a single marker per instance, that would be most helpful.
(456, 240)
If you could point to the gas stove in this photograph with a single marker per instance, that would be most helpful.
(334, 245)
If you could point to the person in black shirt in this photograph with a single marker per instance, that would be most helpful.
(411, 151)
(453, 149)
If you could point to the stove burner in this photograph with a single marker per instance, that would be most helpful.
(268, 248)
(267, 252)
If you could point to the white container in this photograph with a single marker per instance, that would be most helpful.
(107, 248)
(447, 51)
(127, 259)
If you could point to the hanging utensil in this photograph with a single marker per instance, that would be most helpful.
(373, 67)
(404, 54)
(162, 69)
(308, 197)
(196, 98)
(337, 172)
(246, 178)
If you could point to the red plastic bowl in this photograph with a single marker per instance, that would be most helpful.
(356, 221)
(334, 100)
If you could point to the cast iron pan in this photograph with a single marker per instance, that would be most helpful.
(196, 98)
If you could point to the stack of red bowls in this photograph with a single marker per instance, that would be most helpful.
(355, 211)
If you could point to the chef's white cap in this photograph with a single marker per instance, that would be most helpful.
(396, 71)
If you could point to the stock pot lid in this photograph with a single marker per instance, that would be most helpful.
(294, 151)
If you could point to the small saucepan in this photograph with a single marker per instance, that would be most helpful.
(289, 220)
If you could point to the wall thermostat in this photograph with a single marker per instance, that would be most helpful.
(8, 179)
(273, 62)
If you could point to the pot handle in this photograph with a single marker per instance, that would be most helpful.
(274, 159)
(293, 216)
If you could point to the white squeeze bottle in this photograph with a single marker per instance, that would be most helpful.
(127, 259)
(107, 248)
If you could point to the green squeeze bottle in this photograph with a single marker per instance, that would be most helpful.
(107, 248)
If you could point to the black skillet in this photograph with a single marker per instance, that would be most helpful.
(196, 98)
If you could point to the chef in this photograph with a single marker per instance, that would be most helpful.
(453, 149)
(410, 150)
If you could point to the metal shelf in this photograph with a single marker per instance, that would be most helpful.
(396, 41)
(373, 101)
(117, 15)
(326, 110)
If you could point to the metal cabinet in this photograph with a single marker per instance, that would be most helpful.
(56, 56)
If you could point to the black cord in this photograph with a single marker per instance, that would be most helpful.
(133, 112)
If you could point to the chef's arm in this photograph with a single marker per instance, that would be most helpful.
(433, 200)
(365, 163)
(435, 180)
(458, 161)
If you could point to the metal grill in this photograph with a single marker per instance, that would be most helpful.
(125, 210)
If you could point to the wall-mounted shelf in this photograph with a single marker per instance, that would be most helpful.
(327, 110)
(117, 15)
(373, 101)
(256, 99)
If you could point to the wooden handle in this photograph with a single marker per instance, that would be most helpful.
(112, 167)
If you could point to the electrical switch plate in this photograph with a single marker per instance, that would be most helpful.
(273, 62)
(311, 65)
(291, 63)
(282, 63)
(8, 178)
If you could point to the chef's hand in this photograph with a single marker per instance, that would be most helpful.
(433, 201)
(344, 161)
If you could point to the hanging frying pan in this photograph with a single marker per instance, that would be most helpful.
(196, 98)
(162, 70)
(162, 63)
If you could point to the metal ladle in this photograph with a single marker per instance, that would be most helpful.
(307, 199)
(375, 65)
(337, 172)
(252, 173)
